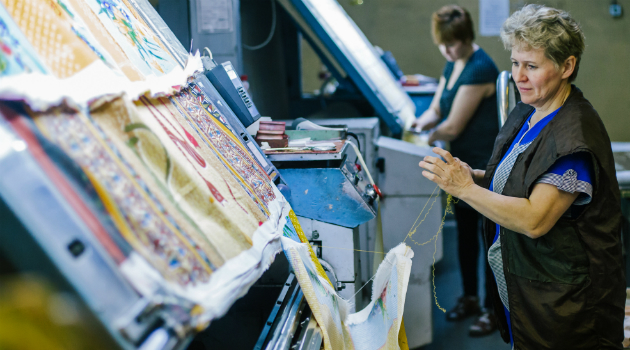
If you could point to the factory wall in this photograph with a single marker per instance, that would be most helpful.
(403, 27)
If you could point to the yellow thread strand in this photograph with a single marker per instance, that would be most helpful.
(356, 250)
(421, 211)
(448, 210)
(413, 231)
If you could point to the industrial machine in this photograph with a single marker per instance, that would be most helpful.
(331, 196)
(366, 87)
(39, 221)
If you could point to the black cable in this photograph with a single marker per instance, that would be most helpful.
(356, 138)
(271, 32)
(358, 143)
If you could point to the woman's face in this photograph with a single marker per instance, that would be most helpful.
(453, 50)
(537, 78)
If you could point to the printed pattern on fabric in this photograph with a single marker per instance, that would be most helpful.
(139, 43)
(377, 326)
(569, 182)
(16, 53)
(189, 171)
(495, 259)
(208, 122)
(50, 32)
(78, 26)
(148, 226)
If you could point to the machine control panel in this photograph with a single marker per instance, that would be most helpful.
(328, 186)
(227, 82)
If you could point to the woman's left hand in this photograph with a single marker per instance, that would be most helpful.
(453, 176)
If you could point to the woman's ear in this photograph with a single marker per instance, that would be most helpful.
(568, 67)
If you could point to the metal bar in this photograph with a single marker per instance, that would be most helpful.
(290, 326)
(503, 96)
(274, 313)
(311, 336)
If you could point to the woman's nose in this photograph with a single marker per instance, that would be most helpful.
(518, 74)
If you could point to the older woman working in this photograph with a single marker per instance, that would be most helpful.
(550, 198)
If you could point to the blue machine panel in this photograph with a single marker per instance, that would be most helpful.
(326, 194)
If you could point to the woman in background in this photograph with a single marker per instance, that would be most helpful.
(464, 112)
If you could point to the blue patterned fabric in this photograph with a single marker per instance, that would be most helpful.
(572, 173)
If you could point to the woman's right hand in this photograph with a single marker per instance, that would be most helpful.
(427, 121)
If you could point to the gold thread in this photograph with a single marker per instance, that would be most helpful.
(448, 210)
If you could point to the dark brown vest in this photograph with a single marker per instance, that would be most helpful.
(567, 288)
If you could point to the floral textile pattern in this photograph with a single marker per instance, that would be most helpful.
(206, 119)
(16, 53)
(138, 41)
(152, 234)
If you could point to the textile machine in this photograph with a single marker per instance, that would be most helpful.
(366, 85)
(41, 233)
(331, 196)
(61, 223)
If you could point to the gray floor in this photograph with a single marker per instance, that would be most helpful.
(454, 335)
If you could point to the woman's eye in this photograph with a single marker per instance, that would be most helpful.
(515, 64)
(531, 67)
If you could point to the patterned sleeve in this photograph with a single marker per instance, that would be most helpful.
(572, 173)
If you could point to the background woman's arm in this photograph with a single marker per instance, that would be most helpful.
(466, 101)
(431, 117)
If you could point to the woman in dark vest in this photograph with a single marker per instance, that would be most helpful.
(550, 197)
(464, 112)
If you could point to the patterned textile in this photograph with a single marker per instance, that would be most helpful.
(65, 9)
(141, 46)
(375, 327)
(148, 225)
(16, 53)
(573, 173)
(495, 258)
(569, 182)
(208, 122)
(97, 29)
(188, 170)
(50, 32)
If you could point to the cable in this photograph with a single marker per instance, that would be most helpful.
(207, 50)
(367, 171)
(356, 138)
(273, 30)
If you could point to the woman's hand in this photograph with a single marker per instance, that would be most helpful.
(453, 176)
(428, 120)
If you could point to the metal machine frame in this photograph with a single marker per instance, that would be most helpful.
(339, 60)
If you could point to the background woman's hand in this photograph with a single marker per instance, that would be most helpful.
(453, 176)
(427, 121)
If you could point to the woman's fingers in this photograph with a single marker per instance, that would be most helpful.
(431, 176)
(431, 167)
(435, 160)
(445, 154)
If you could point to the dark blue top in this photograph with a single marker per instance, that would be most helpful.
(475, 144)
(557, 175)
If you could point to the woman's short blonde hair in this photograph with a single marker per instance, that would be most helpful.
(537, 26)
(450, 23)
